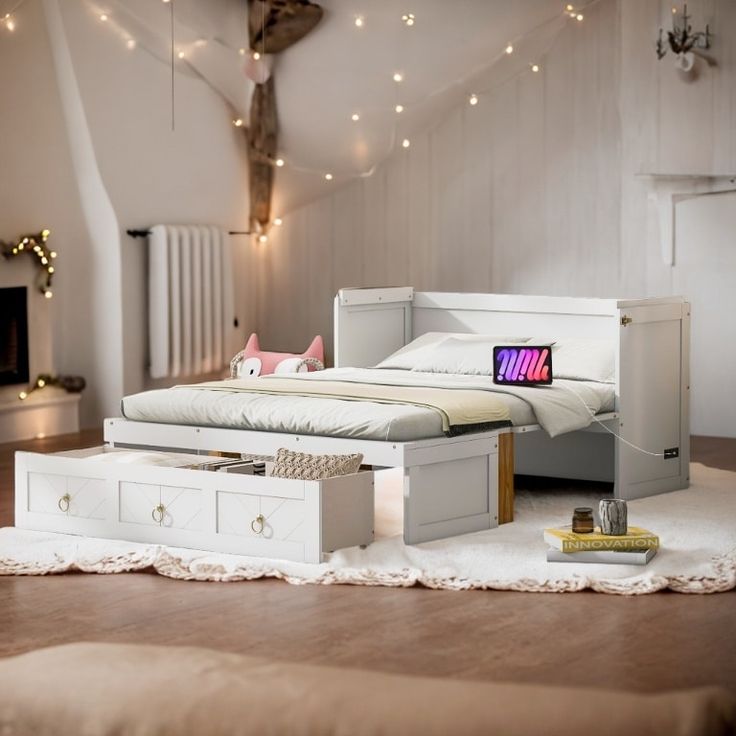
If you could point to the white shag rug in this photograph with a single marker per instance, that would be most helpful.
(697, 530)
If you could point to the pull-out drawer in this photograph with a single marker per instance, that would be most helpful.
(88, 492)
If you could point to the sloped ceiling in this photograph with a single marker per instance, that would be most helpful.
(341, 69)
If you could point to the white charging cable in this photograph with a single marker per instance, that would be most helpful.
(608, 429)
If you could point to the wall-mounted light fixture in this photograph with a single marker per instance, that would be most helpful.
(682, 40)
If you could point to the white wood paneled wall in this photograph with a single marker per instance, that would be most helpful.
(533, 190)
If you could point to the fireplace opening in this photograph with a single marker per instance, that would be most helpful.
(13, 336)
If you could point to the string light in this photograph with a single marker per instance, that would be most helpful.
(278, 221)
(406, 143)
(399, 108)
(279, 162)
(130, 43)
(181, 54)
(34, 245)
(359, 21)
(70, 384)
(103, 17)
(473, 99)
(408, 19)
(9, 23)
(263, 238)
(355, 117)
(398, 77)
(238, 122)
(241, 52)
(535, 68)
(579, 16)
(509, 49)
(256, 56)
(328, 177)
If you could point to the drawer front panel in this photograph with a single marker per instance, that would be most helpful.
(285, 519)
(182, 507)
(87, 496)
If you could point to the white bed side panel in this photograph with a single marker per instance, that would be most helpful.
(370, 324)
(652, 366)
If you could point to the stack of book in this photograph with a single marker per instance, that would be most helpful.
(636, 547)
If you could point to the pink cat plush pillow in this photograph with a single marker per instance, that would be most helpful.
(257, 362)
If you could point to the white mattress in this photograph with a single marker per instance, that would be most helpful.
(356, 419)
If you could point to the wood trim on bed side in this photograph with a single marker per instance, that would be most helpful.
(505, 477)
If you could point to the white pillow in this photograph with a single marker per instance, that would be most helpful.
(422, 349)
(465, 357)
(582, 359)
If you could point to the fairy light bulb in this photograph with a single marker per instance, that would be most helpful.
(569, 8)
(579, 17)
(241, 52)
(22, 395)
(45, 234)
(399, 109)
(280, 162)
(398, 77)
(359, 21)
(263, 238)
(238, 122)
(509, 49)
(181, 54)
(408, 19)
(278, 221)
(53, 254)
(473, 99)
(355, 117)
(9, 23)
(48, 293)
(256, 56)
(40, 383)
(406, 143)
(50, 269)
(130, 43)
(103, 17)
(535, 68)
(328, 177)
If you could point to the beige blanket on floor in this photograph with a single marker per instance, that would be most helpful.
(135, 690)
(457, 407)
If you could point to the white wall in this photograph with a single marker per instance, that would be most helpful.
(37, 187)
(534, 190)
(150, 174)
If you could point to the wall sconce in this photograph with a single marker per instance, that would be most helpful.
(682, 41)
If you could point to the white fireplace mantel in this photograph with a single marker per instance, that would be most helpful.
(669, 189)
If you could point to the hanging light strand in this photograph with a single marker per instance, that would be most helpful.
(35, 246)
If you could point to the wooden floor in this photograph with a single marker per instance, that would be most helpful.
(645, 643)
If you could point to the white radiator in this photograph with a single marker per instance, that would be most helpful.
(190, 299)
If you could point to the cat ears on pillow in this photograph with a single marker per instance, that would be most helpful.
(315, 350)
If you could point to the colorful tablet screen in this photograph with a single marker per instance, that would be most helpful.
(527, 365)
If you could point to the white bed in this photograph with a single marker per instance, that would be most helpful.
(461, 484)
(562, 411)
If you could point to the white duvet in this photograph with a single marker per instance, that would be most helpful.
(563, 407)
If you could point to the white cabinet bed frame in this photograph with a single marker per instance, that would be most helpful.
(464, 484)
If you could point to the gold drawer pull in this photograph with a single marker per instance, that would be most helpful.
(158, 513)
(258, 524)
(64, 503)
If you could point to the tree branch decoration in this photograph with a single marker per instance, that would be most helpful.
(273, 26)
(35, 246)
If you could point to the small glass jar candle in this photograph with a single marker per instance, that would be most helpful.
(582, 520)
